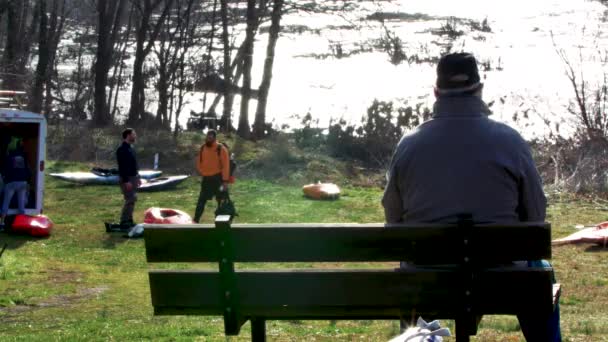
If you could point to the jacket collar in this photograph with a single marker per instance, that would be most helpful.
(214, 145)
(460, 106)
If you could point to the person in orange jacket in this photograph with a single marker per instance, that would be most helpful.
(213, 164)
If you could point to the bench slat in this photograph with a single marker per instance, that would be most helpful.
(358, 294)
(421, 244)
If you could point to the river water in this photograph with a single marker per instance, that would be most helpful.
(523, 72)
(526, 73)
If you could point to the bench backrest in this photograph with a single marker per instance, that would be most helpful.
(424, 244)
(468, 289)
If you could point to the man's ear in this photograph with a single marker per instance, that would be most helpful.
(436, 92)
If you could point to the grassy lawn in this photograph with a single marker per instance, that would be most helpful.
(84, 284)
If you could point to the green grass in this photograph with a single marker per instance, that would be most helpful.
(83, 284)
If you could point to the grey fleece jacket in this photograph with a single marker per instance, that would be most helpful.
(461, 162)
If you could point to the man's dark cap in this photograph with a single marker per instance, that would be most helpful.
(457, 72)
(212, 132)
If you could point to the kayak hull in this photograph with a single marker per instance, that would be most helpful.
(597, 234)
(161, 183)
(92, 178)
(321, 191)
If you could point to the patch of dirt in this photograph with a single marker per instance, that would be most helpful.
(59, 276)
(54, 301)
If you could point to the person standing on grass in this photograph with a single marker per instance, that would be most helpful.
(129, 179)
(462, 162)
(213, 164)
(16, 175)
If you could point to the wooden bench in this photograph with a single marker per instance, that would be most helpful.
(464, 292)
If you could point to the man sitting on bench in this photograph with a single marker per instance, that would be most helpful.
(462, 162)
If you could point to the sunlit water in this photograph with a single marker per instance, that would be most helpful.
(526, 74)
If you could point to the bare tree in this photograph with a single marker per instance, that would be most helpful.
(228, 97)
(49, 35)
(243, 129)
(586, 153)
(109, 15)
(147, 34)
(259, 125)
(74, 92)
(117, 80)
(590, 99)
(21, 28)
(171, 51)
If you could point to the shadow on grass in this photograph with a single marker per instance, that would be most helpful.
(597, 248)
(66, 185)
(115, 238)
(15, 241)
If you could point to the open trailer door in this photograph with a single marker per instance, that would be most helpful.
(32, 129)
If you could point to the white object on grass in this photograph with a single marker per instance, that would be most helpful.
(136, 231)
(423, 332)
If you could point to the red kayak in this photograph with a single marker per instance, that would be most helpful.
(39, 225)
(166, 216)
(597, 234)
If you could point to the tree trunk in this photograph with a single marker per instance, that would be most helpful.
(109, 14)
(43, 60)
(138, 98)
(244, 130)
(209, 51)
(119, 67)
(228, 97)
(236, 64)
(136, 109)
(273, 36)
(13, 49)
(55, 30)
(163, 95)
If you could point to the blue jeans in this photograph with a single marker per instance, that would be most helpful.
(19, 188)
(529, 324)
(534, 328)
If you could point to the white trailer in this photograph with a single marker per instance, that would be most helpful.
(31, 127)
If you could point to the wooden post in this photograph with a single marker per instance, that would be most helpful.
(464, 323)
(258, 330)
(462, 331)
(228, 295)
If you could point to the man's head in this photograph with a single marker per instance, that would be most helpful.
(457, 74)
(129, 135)
(210, 138)
(15, 144)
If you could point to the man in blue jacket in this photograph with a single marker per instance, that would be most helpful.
(16, 175)
(461, 161)
(129, 179)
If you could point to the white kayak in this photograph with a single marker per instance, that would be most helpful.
(99, 178)
(161, 183)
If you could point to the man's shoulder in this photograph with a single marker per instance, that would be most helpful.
(504, 131)
(123, 148)
(222, 147)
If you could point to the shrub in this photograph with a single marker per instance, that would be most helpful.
(373, 141)
(310, 135)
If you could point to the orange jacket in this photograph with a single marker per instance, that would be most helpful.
(209, 163)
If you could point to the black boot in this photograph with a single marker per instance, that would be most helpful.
(126, 225)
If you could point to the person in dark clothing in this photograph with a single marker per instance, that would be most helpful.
(128, 172)
(462, 162)
(16, 175)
